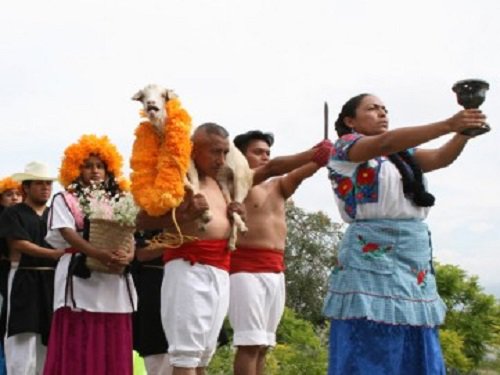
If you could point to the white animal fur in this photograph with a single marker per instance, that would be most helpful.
(235, 177)
(153, 98)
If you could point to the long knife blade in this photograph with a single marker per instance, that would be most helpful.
(325, 115)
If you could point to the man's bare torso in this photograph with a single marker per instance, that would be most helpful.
(265, 211)
(218, 227)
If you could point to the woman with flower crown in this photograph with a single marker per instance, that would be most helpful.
(382, 296)
(91, 329)
(10, 194)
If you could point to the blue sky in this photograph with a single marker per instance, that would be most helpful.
(70, 67)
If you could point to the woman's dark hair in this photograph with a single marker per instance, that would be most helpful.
(413, 185)
(410, 171)
(348, 110)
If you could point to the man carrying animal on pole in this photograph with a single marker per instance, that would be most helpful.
(195, 288)
(257, 297)
(31, 276)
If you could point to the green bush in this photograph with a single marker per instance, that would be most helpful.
(299, 350)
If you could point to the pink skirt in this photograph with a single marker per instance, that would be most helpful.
(88, 343)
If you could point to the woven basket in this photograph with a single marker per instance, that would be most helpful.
(109, 235)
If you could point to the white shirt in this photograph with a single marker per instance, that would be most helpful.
(101, 292)
(391, 202)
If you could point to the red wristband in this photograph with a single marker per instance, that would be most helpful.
(322, 154)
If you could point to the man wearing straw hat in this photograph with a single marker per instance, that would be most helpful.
(31, 277)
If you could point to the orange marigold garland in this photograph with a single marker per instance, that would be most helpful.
(9, 183)
(159, 166)
(89, 144)
(124, 184)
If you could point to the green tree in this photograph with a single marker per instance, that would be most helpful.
(222, 361)
(453, 350)
(301, 349)
(312, 243)
(473, 315)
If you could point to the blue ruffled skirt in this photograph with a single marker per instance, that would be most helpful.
(360, 346)
(383, 302)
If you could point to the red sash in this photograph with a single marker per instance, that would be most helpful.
(257, 260)
(211, 252)
(71, 250)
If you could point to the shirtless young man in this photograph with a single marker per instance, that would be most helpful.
(257, 280)
(195, 288)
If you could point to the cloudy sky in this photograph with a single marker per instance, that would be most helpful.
(70, 67)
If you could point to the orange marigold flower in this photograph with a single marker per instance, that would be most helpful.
(9, 183)
(124, 184)
(159, 166)
(89, 144)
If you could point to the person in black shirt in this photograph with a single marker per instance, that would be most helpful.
(31, 276)
(149, 339)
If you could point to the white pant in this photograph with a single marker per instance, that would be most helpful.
(194, 303)
(256, 305)
(158, 364)
(24, 352)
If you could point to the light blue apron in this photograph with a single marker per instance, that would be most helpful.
(385, 274)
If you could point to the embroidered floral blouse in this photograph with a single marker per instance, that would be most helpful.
(368, 190)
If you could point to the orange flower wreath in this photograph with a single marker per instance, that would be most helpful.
(90, 144)
(159, 166)
(8, 183)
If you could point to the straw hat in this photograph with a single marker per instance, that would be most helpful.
(34, 171)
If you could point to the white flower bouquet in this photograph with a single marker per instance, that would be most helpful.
(112, 223)
(98, 204)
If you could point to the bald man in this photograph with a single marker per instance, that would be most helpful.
(195, 288)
